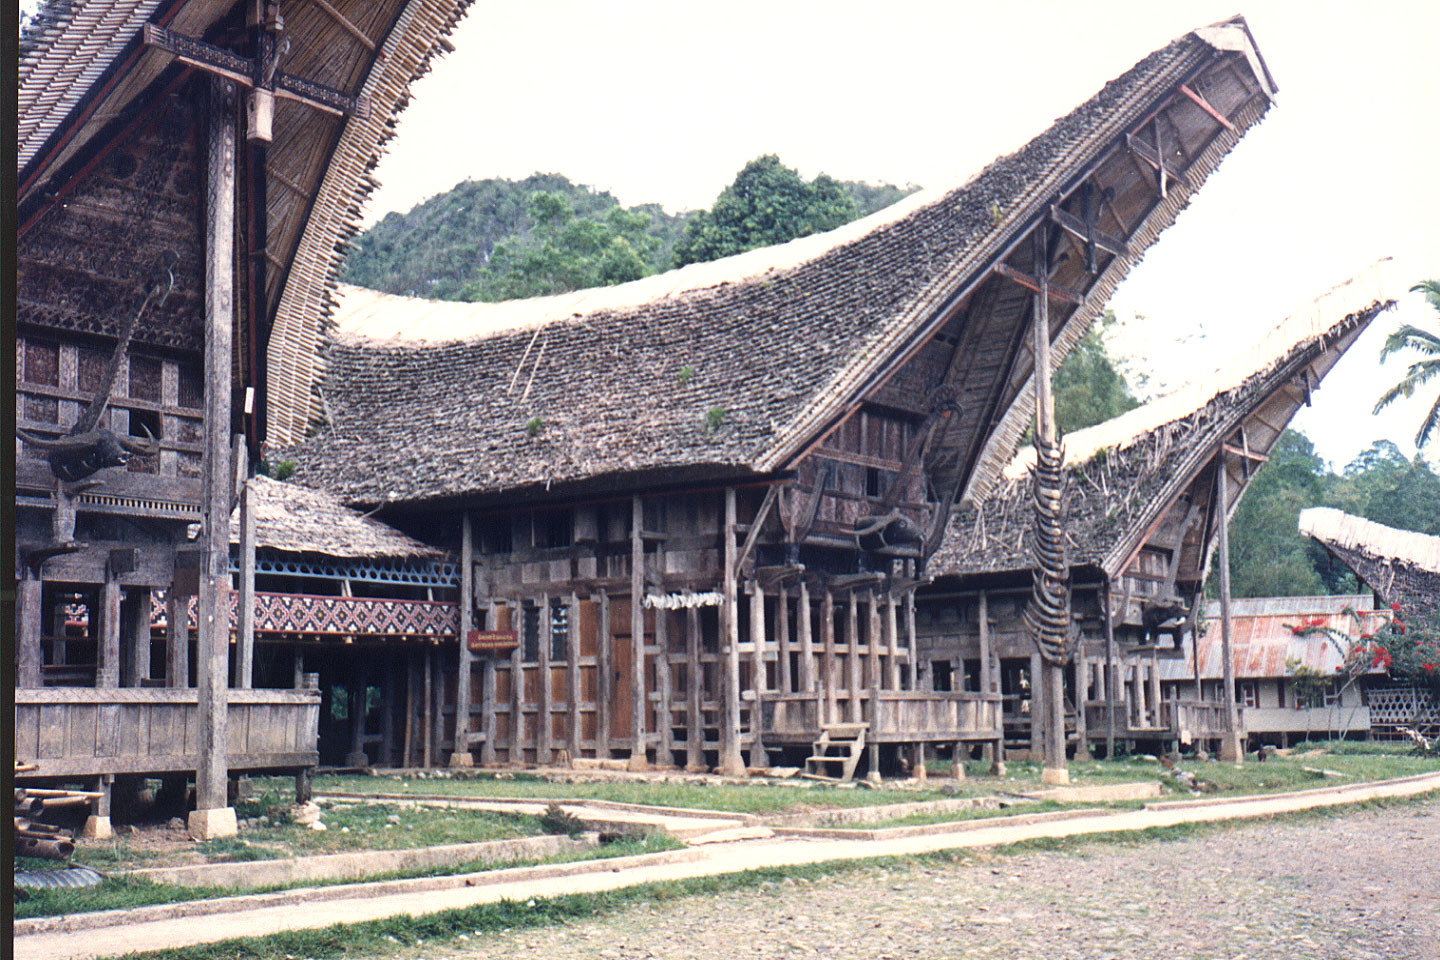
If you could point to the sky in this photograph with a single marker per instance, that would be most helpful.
(663, 101)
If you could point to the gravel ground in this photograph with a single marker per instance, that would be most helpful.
(1359, 886)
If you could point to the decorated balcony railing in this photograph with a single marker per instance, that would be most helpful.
(305, 615)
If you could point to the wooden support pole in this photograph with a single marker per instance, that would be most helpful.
(437, 718)
(874, 672)
(1082, 698)
(782, 641)
(731, 764)
(460, 756)
(1230, 749)
(545, 735)
(913, 649)
(694, 687)
(829, 669)
(407, 753)
(107, 647)
(213, 817)
(605, 681)
(807, 640)
(891, 632)
(638, 693)
(27, 633)
(853, 681)
(359, 701)
(177, 640)
(665, 717)
(488, 693)
(1110, 684)
(758, 757)
(517, 686)
(245, 607)
(386, 756)
(1156, 709)
(427, 712)
(1037, 707)
(572, 676)
(137, 628)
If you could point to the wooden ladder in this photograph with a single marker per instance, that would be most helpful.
(847, 740)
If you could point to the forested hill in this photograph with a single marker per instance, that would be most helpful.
(501, 239)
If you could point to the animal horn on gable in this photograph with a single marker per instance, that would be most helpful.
(143, 447)
(68, 444)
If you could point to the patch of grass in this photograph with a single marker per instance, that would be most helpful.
(970, 813)
(126, 893)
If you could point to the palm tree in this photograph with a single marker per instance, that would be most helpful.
(1422, 371)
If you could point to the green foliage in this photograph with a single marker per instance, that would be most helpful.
(534, 425)
(557, 820)
(1407, 647)
(769, 203)
(1426, 343)
(684, 374)
(445, 248)
(1089, 388)
(714, 419)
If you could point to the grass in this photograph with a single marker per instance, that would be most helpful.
(128, 892)
(382, 938)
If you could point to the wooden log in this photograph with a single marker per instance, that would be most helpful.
(573, 693)
(853, 682)
(758, 757)
(517, 686)
(1230, 746)
(29, 656)
(545, 735)
(605, 681)
(107, 667)
(177, 640)
(460, 756)
(44, 849)
(807, 641)
(387, 718)
(829, 669)
(666, 718)
(245, 616)
(694, 682)
(137, 637)
(437, 720)
(408, 751)
(488, 692)
(427, 696)
(214, 607)
(782, 641)
(731, 763)
(638, 694)
(891, 632)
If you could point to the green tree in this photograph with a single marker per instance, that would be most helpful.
(1089, 387)
(767, 203)
(1427, 344)
(1268, 555)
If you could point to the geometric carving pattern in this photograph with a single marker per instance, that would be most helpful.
(303, 615)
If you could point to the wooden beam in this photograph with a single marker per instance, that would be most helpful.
(488, 690)
(754, 534)
(853, 681)
(604, 682)
(137, 628)
(27, 632)
(245, 613)
(1032, 283)
(665, 718)
(407, 751)
(1246, 453)
(1204, 104)
(892, 644)
(637, 633)
(731, 763)
(177, 639)
(695, 678)
(517, 686)
(460, 756)
(214, 607)
(572, 676)
(758, 757)
(427, 711)
(544, 741)
(1150, 155)
(829, 669)
(345, 25)
(782, 640)
(1074, 226)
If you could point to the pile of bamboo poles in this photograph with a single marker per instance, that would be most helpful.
(36, 839)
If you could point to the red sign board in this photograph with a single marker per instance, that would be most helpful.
(482, 641)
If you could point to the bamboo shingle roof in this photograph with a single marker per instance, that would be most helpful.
(86, 80)
(293, 519)
(734, 368)
(1124, 474)
(1402, 566)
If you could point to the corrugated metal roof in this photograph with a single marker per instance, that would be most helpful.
(1264, 636)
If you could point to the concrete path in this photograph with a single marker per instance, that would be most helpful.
(123, 931)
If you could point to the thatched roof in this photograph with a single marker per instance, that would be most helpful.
(735, 367)
(1122, 475)
(1400, 565)
(1269, 633)
(84, 72)
(292, 519)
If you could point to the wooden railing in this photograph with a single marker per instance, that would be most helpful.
(74, 731)
(896, 715)
(1160, 719)
(1201, 719)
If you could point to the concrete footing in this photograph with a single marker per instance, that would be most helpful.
(213, 824)
(1055, 776)
(96, 828)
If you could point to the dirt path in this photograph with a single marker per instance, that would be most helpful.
(1363, 886)
(130, 933)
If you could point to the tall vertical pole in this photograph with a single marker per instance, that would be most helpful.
(1109, 612)
(1229, 747)
(460, 756)
(245, 608)
(212, 817)
(758, 757)
(27, 631)
(731, 764)
(177, 639)
(638, 693)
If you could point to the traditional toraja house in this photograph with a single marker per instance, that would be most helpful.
(1143, 507)
(692, 510)
(1403, 568)
(188, 171)
(1293, 681)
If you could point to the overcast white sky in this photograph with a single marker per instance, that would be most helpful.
(662, 101)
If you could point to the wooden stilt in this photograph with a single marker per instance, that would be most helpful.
(1110, 684)
(829, 668)
(407, 755)
(758, 758)
(782, 642)
(138, 630)
(912, 647)
(387, 719)
(245, 607)
(359, 700)
(107, 648)
(545, 739)
(731, 763)
(460, 755)
(427, 698)
(177, 640)
(892, 645)
(1082, 699)
(665, 716)
(638, 693)
(853, 682)
(1156, 709)
(488, 691)
(517, 687)
(694, 684)
(807, 641)
(572, 676)
(605, 682)
(27, 632)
